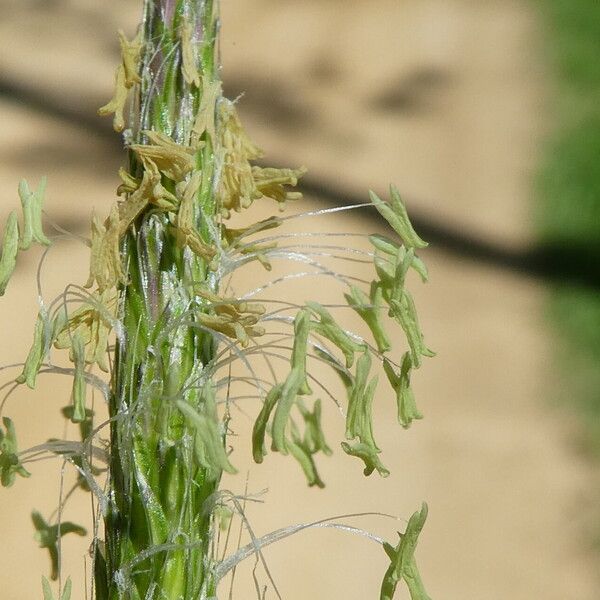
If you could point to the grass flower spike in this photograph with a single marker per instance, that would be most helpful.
(157, 327)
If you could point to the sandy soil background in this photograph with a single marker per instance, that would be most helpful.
(446, 99)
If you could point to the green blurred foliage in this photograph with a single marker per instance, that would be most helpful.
(569, 186)
(568, 190)
(574, 26)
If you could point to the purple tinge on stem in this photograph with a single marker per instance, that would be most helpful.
(167, 9)
(199, 32)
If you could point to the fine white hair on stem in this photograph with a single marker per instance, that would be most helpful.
(257, 549)
(90, 378)
(311, 250)
(64, 448)
(258, 544)
(145, 107)
(317, 381)
(278, 280)
(326, 211)
(301, 258)
(311, 213)
(300, 234)
(65, 233)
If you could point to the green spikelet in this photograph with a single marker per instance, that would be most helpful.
(397, 217)
(10, 247)
(10, 463)
(32, 204)
(403, 565)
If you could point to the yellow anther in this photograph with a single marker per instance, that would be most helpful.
(130, 56)
(135, 203)
(233, 318)
(232, 235)
(241, 329)
(105, 263)
(125, 78)
(237, 189)
(173, 160)
(206, 117)
(241, 183)
(92, 324)
(185, 216)
(130, 183)
(260, 253)
(116, 105)
(271, 182)
(185, 230)
(189, 67)
(230, 306)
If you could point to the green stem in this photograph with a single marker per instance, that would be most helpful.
(157, 528)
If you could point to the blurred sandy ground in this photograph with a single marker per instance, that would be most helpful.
(446, 99)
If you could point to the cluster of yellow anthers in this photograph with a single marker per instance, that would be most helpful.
(168, 164)
(241, 183)
(161, 157)
(234, 318)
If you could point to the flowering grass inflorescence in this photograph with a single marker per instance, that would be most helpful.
(156, 314)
